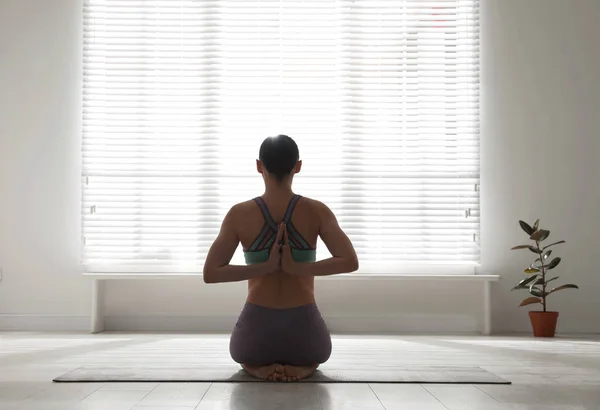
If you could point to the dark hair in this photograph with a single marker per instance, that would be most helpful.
(279, 155)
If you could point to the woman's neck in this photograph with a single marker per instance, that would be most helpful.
(274, 189)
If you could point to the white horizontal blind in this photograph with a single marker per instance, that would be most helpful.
(381, 96)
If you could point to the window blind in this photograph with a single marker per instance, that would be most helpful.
(381, 96)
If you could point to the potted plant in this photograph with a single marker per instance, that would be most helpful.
(537, 283)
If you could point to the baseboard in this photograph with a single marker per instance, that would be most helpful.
(429, 324)
(204, 324)
(404, 324)
(366, 325)
(408, 324)
(44, 323)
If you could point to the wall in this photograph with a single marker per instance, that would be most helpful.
(540, 141)
(39, 163)
(540, 82)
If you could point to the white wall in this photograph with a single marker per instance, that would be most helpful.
(39, 159)
(540, 145)
(541, 89)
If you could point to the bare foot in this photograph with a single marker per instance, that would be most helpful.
(272, 372)
(295, 373)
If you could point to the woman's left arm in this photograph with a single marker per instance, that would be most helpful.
(217, 268)
(343, 259)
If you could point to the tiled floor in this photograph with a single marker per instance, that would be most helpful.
(562, 373)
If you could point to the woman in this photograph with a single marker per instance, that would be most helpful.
(280, 334)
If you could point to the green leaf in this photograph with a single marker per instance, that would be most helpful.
(536, 225)
(530, 300)
(531, 248)
(534, 266)
(540, 235)
(514, 248)
(554, 263)
(547, 254)
(525, 282)
(551, 279)
(568, 286)
(525, 226)
(552, 244)
(540, 281)
(536, 292)
(531, 270)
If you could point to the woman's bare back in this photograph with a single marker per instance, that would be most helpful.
(280, 269)
(279, 290)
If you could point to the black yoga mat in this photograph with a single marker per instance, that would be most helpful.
(233, 374)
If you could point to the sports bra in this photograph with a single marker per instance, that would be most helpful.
(261, 247)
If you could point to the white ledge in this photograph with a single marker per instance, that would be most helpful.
(349, 276)
(99, 278)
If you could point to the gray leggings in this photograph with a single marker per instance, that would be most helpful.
(297, 337)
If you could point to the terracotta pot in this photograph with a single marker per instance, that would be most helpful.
(544, 323)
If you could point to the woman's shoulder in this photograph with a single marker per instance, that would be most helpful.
(316, 206)
(312, 202)
(306, 204)
(245, 205)
(242, 208)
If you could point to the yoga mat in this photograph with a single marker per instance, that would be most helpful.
(233, 374)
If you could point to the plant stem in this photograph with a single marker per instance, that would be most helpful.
(543, 275)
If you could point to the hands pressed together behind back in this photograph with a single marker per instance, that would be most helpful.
(280, 257)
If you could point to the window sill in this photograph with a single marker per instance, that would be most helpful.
(349, 276)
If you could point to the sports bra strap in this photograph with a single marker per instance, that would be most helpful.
(265, 211)
(265, 238)
(290, 209)
(287, 217)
